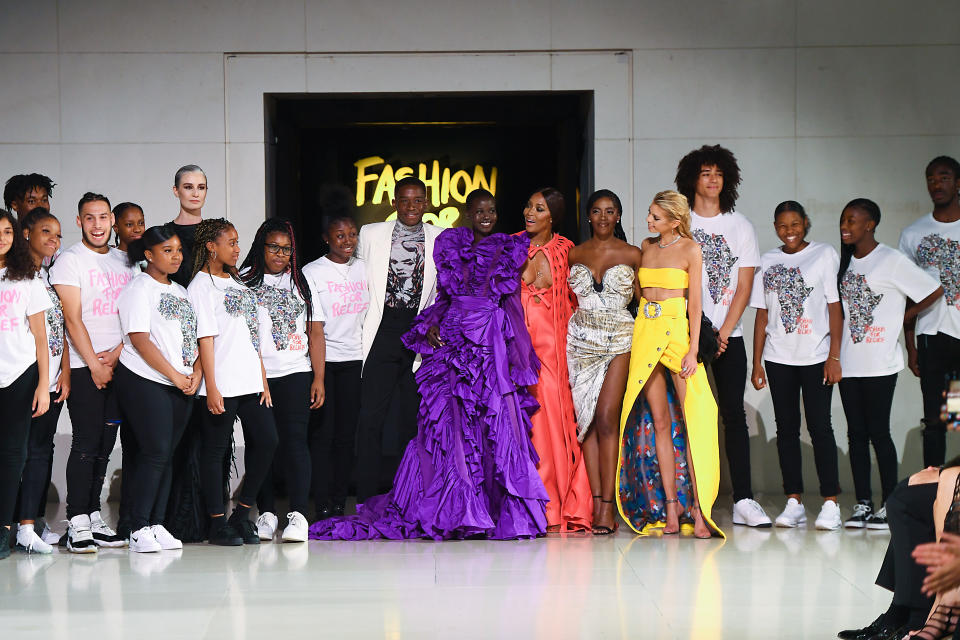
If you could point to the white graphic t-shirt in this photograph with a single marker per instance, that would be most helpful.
(18, 300)
(795, 290)
(283, 325)
(165, 312)
(100, 278)
(227, 310)
(874, 291)
(728, 242)
(935, 247)
(343, 293)
(53, 322)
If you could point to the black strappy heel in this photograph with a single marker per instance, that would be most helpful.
(604, 530)
(942, 623)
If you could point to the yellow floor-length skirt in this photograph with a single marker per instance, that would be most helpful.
(665, 340)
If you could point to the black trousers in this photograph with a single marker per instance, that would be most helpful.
(129, 451)
(387, 373)
(730, 377)
(867, 403)
(35, 480)
(787, 383)
(95, 417)
(291, 413)
(156, 415)
(260, 443)
(333, 433)
(938, 356)
(16, 400)
(910, 516)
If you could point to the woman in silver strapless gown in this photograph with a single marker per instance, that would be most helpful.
(599, 337)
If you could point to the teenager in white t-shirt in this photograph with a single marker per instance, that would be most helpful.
(158, 374)
(234, 380)
(24, 365)
(292, 347)
(88, 278)
(41, 229)
(339, 280)
(796, 348)
(933, 243)
(709, 178)
(875, 282)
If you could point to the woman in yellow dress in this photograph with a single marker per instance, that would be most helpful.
(669, 277)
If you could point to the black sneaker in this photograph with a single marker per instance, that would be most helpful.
(103, 535)
(861, 634)
(878, 520)
(247, 530)
(225, 536)
(324, 510)
(861, 512)
(4, 542)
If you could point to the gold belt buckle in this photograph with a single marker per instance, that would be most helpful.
(657, 310)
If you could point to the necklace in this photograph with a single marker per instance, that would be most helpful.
(674, 241)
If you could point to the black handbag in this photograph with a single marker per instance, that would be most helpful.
(708, 344)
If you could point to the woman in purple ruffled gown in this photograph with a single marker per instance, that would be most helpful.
(471, 470)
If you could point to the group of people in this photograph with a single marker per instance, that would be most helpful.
(535, 387)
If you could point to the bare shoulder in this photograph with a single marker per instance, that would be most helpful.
(690, 246)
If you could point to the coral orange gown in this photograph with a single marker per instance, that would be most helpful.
(547, 313)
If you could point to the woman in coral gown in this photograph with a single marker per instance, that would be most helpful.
(471, 469)
(548, 304)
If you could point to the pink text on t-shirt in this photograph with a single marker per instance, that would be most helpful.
(351, 297)
(111, 283)
(875, 334)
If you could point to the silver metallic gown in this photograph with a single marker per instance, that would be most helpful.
(600, 329)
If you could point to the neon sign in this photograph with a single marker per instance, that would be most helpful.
(443, 187)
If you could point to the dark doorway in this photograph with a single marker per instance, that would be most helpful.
(329, 151)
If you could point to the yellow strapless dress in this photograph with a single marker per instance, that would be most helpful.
(661, 334)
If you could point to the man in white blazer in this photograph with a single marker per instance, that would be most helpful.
(402, 279)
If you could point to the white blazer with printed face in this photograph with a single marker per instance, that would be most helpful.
(374, 249)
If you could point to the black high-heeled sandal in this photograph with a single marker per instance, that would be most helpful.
(665, 503)
(942, 623)
(602, 529)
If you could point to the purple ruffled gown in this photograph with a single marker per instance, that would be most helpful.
(471, 470)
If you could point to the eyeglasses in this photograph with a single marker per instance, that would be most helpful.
(276, 248)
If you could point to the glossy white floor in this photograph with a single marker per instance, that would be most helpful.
(774, 583)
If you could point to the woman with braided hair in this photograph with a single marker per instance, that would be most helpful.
(292, 347)
(234, 380)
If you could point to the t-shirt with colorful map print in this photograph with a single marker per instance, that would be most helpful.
(227, 311)
(935, 247)
(874, 292)
(282, 312)
(795, 289)
(728, 242)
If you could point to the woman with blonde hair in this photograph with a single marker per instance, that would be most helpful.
(670, 312)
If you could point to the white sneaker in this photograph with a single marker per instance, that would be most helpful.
(829, 518)
(296, 529)
(79, 536)
(165, 538)
(143, 541)
(50, 537)
(103, 535)
(267, 525)
(794, 515)
(749, 512)
(29, 541)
